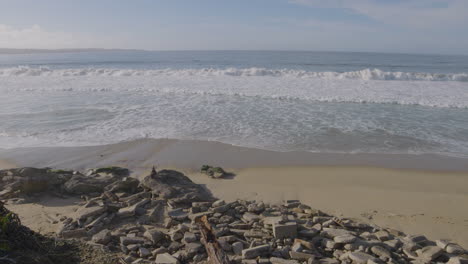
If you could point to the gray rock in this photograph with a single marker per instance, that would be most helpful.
(453, 248)
(254, 252)
(286, 230)
(85, 212)
(430, 252)
(275, 260)
(218, 203)
(103, 237)
(332, 232)
(189, 237)
(193, 247)
(382, 235)
(154, 235)
(326, 261)
(80, 184)
(178, 214)
(237, 248)
(165, 258)
(250, 217)
(457, 260)
(344, 239)
(132, 240)
(170, 184)
(308, 233)
(381, 252)
(360, 257)
(300, 255)
(77, 233)
(144, 252)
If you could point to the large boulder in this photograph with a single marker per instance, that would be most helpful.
(170, 184)
(30, 180)
(80, 184)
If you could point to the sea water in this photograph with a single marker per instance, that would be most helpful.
(278, 100)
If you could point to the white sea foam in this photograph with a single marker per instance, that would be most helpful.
(263, 84)
(366, 74)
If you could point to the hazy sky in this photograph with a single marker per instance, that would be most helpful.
(423, 26)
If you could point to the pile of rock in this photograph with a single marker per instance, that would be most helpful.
(158, 221)
(213, 172)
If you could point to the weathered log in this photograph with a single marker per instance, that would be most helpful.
(215, 253)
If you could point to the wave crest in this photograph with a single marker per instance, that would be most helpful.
(365, 74)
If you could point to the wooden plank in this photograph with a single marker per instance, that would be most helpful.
(215, 253)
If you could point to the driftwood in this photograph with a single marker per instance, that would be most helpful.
(215, 253)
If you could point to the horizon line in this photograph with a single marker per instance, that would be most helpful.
(18, 51)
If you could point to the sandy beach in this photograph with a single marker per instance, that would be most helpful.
(417, 194)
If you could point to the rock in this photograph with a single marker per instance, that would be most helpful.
(103, 237)
(250, 217)
(308, 233)
(144, 252)
(442, 243)
(286, 230)
(218, 203)
(133, 210)
(214, 172)
(178, 214)
(77, 233)
(80, 184)
(237, 248)
(292, 203)
(154, 235)
(300, 255)
(193, 247)
(127, 185)
(254, 252)
(222, 209)
(429, 253)
(132, 240)
(176, 236)
(326, 261)
(170, 184)
(457, 260)
(275, 260)
(165, 258)
(332, 232)
(360, 257)
(381, 252)
(133, 247)
(382, 235)
(344, 239)
(453, 248)
(189, 237)
(328, 243)
(85, 212)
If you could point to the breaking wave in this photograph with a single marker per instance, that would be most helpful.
(366, 74)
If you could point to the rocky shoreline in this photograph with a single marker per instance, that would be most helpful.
(166, 218)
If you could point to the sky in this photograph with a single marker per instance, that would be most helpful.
(408, 26)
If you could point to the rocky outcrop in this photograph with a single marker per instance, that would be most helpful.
(175, 186)
(169, 219)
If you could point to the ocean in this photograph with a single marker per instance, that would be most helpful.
(277, 100)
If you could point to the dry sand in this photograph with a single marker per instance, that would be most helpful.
(44, 214)
(418, 194)
(6, 165)
(416, 202)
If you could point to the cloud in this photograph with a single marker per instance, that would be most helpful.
(423, 14)
(37, 37)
